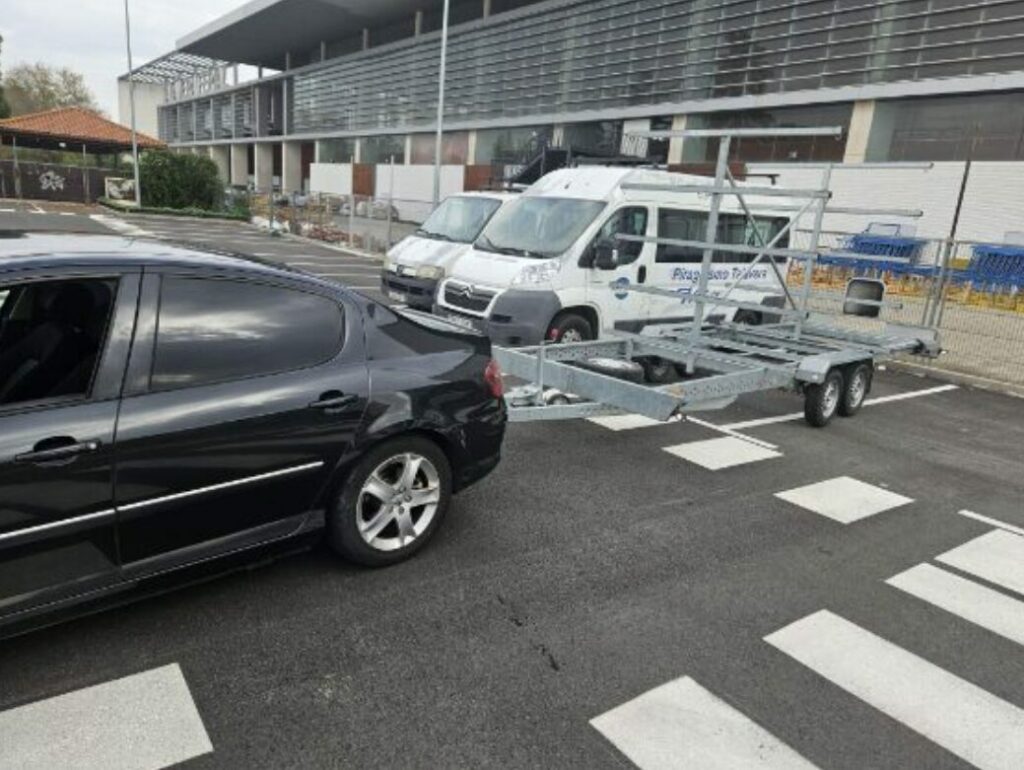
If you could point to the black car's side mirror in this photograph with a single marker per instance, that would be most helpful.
(606, 255)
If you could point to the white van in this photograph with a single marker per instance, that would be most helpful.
(544, 266)
(415, 265)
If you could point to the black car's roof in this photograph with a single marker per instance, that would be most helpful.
(19, 250)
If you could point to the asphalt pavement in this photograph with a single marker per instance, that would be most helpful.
(744, 591)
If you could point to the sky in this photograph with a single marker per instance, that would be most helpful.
(88, 35)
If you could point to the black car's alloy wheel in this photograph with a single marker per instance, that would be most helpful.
(393, 502)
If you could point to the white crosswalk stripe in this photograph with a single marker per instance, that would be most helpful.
(996, 556)
(719, 453)
(976, 603)
(844, 499)
(147, 721)
(966, 720)
(682, 726)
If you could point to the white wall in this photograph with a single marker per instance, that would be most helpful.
(148, 97)
(993, 202)
(934, 192)
(414, 188)
(333, 178)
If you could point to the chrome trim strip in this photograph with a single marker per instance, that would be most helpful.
(28, 531)
(224, 485)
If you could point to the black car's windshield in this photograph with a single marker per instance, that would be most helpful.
(459, 219)
(540, 228)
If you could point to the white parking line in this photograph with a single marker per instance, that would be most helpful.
(997, 556)
(985, 607)
(719, 453)
(681, 725)
(844, 499)
(993, 522)
(966, 720)
(870, 402)
(143, 722)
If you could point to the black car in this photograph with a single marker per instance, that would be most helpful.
(161, 408)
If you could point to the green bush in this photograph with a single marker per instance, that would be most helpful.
(179, 181)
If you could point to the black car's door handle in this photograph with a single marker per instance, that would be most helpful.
(334, 400)
(56, 449)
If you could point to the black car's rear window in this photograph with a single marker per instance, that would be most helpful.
(215, 330)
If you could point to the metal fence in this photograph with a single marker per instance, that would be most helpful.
(358, 222)
(971, 292)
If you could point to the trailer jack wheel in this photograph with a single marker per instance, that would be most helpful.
(821, 402)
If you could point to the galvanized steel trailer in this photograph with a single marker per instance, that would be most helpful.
(830, 363)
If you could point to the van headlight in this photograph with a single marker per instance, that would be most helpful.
(389, 266)
(541, 273)
(430, 272)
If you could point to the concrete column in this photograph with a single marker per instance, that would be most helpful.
(287, 60)
(859, 135)
(239, 165)
(291, 167)
(323, 50)
(220, 154)
(471, 149)
(558, 135)
(264, 167)
(675, 145)
(408, 149)
(418, 24)
(487, 8)
(358, 151)
(366, 38)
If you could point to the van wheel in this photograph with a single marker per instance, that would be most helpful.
(855, 389)
(570, 327)
(392, 503)
(821, 402)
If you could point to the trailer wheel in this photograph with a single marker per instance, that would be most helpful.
(821, 402)
(657, 371)
(856, 385)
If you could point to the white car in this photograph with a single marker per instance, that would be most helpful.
(415, 265)
(550, 265)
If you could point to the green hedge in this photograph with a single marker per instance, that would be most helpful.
(180, 181)
(237, 215)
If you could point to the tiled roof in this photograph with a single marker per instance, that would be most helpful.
(75, 124)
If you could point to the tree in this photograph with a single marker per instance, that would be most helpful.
(5, 109)
(37, 87)
(179, 181)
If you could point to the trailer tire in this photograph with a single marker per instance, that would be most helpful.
(856, 386)
(821, 402)
(657, 371)
(572, 326)
(748, 318)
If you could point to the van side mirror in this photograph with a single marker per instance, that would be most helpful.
(606, 255)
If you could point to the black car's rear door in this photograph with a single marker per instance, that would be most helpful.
(242, 394)
(62, 362)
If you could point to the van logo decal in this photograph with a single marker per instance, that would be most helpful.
(621, 288)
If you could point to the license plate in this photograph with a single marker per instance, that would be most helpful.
(465, 323)
(397, 296)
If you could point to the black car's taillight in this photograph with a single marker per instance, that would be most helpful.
(492, 376)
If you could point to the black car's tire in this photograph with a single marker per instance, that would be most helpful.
(570, 327)
(360, 506)
(856, 386)
(821, 402)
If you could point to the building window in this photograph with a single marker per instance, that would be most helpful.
(601, 139)
(976, 127)
(772, 149)
(454, 148)
(382, 149)
(338, 151)
(511, 145)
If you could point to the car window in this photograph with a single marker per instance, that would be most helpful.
(631, 220)
(51, 338)
(736, 229)
(215, 330)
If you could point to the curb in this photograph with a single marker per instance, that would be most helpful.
(959, 378)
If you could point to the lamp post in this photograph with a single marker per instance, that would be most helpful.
(440, 105)
(131, 101)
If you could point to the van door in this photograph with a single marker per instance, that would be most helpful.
(622, 263)
(677, 268)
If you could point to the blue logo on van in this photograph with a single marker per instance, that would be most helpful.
(621, 288)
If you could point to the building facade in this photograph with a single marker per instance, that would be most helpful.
(350, 82)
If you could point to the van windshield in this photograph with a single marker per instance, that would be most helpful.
(459, 219)
(540, 228)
